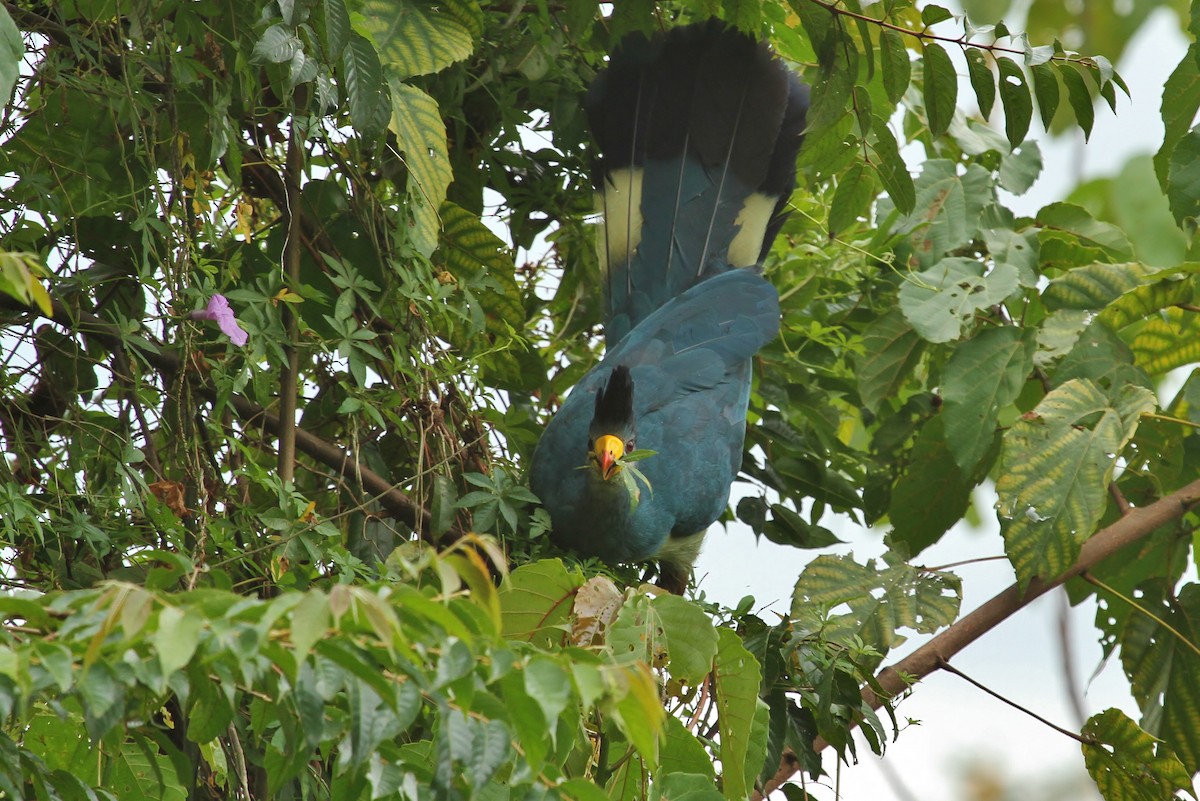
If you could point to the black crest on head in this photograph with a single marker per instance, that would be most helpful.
(614, 402)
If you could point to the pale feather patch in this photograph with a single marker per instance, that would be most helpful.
(621, 203)
(681, 550)
(752, 223)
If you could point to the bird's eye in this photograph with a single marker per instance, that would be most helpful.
(629, 445)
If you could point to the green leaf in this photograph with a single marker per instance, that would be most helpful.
(277, 44)
(421, 137)
(931, 495)
(12, 52)
(1183, 178)
(1045, 88)
(942, 300)
(1071, 237)
(892, 169)
(139, 771)
(550, 686)
(1018, 104)
(948, 208)
(691, 638)
(1020, 168)
(638, 712)
(311, 620)
(855, 191)
(1080, 99)
(1180, 104)
(687, 787)
(682, 752)
(176, 637)
(895, 66)
(984, 375)
(933, 14)
(982, 81)
(940, 87)
(1128, 764)
(736, 678)
(369, 103)
(891, 349)
(535, 602)
(1056, 465)
(415, 37)
(336, 31)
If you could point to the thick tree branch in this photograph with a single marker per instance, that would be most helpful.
(893, 680)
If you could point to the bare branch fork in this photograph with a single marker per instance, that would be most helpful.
(1133, 526)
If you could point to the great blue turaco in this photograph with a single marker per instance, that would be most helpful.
(698, 131)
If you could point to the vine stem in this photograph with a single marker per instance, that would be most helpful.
(935, 654)
(289, 387)
(835, 7)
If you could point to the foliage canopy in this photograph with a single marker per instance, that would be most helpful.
(308, 567)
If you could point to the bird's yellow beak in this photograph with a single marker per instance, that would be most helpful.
(607, 450)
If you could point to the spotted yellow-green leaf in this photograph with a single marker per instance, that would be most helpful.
(1168, 340)
(415, 37)
(1140, 303)
(883, 599)
(1128, 764)
(421, 138)
(1159, 655)
(1094, 286)
(1018, 104)
(982, 81)
(690, 637)
(1056, 464)
(469, 251)
(736, 677)
(941, 87)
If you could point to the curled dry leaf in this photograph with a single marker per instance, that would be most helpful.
(596, 605)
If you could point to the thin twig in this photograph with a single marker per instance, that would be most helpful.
(946, 666)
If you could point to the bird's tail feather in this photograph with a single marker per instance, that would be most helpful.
(698, 131)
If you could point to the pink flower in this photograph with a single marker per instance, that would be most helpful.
(218, 309)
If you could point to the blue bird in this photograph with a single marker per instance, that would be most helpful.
(698, 131)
